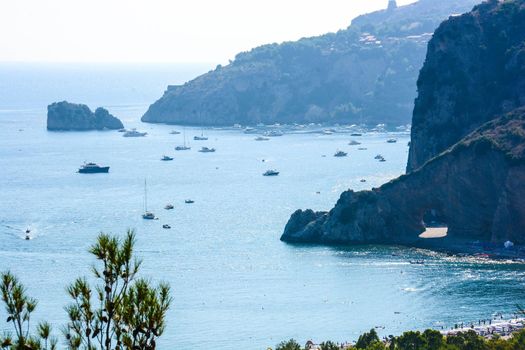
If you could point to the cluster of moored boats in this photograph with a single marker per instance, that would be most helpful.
(92, 168)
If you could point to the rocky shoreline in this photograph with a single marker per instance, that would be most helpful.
(468, 172)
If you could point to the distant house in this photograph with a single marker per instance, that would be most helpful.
(392, 4)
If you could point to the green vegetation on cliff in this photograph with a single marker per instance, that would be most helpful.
(363, 74)
(427, 340)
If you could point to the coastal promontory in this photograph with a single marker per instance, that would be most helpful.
(364, 74)
(64, 116)
(466, 170)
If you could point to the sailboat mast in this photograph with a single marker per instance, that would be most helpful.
(145, 197)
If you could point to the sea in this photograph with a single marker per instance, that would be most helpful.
(235, 285)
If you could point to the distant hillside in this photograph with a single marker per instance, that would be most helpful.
(364, 74)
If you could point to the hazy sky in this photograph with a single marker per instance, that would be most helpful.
(163, 30)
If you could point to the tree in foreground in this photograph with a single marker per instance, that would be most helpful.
(121, 311)
(19, 307)
(288, 345)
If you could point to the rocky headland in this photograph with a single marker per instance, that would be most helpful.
(466, 168)
(363, 74)
(65, 116)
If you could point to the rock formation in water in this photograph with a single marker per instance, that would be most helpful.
(78, 117)
(364, 74)
(467, 162)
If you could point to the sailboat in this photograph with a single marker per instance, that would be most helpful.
(200, 138)
(147, 214)
(183, 148)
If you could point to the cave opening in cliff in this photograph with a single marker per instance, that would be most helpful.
(435, 225)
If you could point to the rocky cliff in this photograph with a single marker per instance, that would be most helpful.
(474, 70)
(78, 117)
(475, 188)
(467, 173)
(364, 74)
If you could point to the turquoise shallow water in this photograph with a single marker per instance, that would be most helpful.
(235, 284)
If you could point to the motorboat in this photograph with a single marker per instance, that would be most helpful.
(169, 206)
(261, 138)
(134, 133)
(378, 156)
(356, 134)
(182, 148)
(174, 132)
(189, 201)
(340, 154)
(92, 168)
(200, 138)
(166, 226)
(354, 143)
(271, 173)
(166, 158)
(391, 141)
(28, 235)
(207, 150)
(274, 133)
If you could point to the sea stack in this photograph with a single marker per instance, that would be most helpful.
(65, 116)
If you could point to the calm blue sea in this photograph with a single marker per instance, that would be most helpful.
(235, 285)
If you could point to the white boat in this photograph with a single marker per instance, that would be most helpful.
(134, 133)
(274, 133)
(207, 150)
(147, 214)
(249, 130)
(183, 147)
(200, 138)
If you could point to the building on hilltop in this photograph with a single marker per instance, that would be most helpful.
(392, 4)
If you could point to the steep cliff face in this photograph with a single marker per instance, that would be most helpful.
(474, 70)
(78, 117)
(467, 162)
(364, 74)
(475, 188)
